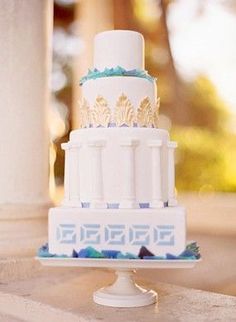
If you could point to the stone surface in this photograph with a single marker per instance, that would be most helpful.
(66, 295)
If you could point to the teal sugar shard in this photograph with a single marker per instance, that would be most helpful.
(117, 71)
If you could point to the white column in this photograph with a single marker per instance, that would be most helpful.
(157, 200)
(97, 200)
(25, 60)
(171, 174)
(65, 147)
(128, 198)
(74, 179)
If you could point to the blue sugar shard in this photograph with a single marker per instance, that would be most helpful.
(74, 253)
(110, 253)
(117, 71)
(144, 252)
(154, 257)
(43, 251)
(89, 252)
(187, 253)
(171, 256)
(83, 253)
(127, 256)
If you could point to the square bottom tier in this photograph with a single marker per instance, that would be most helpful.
(161, 231)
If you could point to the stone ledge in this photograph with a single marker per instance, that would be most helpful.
(66, 295)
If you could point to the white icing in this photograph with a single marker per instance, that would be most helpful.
(123, 48)
(110, 88)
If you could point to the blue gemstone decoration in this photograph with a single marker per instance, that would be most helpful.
(118, 71)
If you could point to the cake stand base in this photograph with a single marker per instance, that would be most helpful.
(124, 292)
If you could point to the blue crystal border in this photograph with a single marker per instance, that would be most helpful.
(191, 252)
(117, 71)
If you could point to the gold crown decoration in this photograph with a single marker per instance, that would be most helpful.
(145, 113)
(100, 115)
(84, 113)
(156, 113)
(124, 112)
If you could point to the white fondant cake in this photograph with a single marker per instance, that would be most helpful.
(119, 168)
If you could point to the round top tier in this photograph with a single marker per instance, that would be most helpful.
(123, 48)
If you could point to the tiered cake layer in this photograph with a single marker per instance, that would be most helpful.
(119, 168)
(119, 48)
(161, 231)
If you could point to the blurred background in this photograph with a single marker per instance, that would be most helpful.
(191, 49)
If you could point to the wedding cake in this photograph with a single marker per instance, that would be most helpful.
(119, 167)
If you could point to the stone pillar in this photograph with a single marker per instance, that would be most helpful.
(94, 16)
(157, 199)
(25, 40)
(171, 174)
(97, 200)
(128, 198)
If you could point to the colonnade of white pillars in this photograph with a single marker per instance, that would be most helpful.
(128, 197)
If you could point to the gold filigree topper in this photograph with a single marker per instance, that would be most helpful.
(100, 115)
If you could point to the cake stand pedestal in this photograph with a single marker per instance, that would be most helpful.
(124, 292)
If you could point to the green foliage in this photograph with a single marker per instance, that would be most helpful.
(205, 160)
(205, 107)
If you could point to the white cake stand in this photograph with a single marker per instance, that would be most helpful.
(124, 292)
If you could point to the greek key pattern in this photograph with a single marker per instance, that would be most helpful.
(116, 234)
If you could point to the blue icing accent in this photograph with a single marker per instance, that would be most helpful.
(117, 71)
(113, 205)
(85, 204)
(144, 205)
